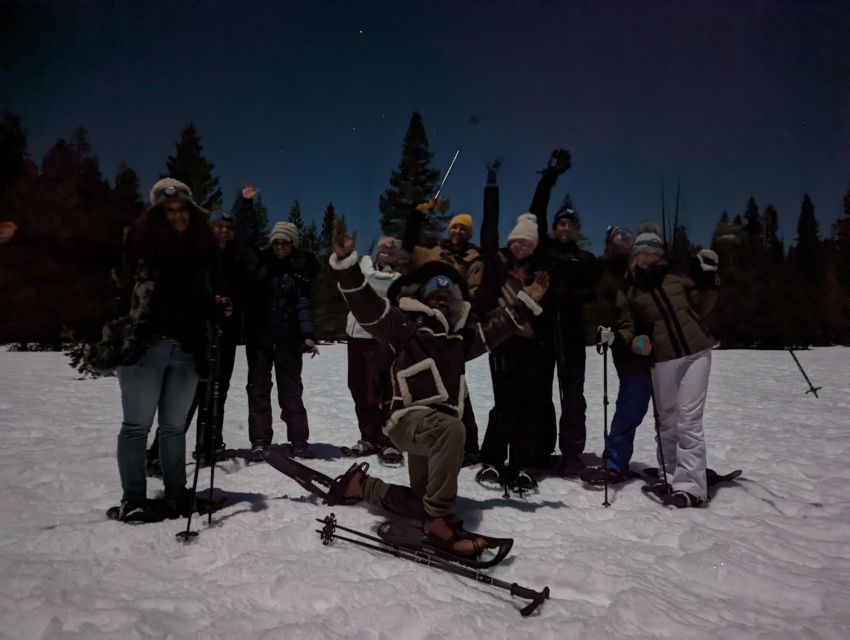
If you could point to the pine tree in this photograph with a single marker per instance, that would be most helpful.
(772, 243)
(326, 235)
(808, 239)
(414, 181)
(753, 224)
(189, 165)
(296, 218)
(310, 238)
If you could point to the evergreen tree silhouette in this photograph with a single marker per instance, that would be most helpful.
(188, 165)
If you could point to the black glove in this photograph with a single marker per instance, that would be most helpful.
(559, 162)
(492, 170)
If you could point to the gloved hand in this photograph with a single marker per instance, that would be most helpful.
(708, 260)
(604, 335)
(641, 345)
(430, 206)
(559, 162)
(492, 170)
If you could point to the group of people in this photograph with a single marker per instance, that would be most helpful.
(418, 311)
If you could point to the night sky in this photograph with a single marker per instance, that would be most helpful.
(310, 100)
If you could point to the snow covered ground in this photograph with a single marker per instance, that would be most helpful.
(770, 558)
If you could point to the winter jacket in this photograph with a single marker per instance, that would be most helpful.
(169, 293)
(428, 368)
(667, 307)
(572, 273)
(499, 284)
(380, 281)
(279, 307)
(465, 258)
(229, 278)
(611, 280)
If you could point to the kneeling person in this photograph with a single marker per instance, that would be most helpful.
(425, 322)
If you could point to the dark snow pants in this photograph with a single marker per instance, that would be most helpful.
(521, 425)
(632, 403)
(286, 360)
(572, 432)
(369, 382)
(434, 443)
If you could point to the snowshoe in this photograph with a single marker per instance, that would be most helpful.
(301, 450)
(136, 513)
(361, 449)
(490, 477)
(684, 500)
(330, 490)
(522, 482)
(391, 457)
(658, 490)
(596, 475)
(257, 454)
(444, 540)
(712, 477)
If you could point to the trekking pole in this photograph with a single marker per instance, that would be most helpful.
(448, 171)
(213, 358)
(212, 428)
(328, 534)
(604, 353)
(658, 440)
(812, 389)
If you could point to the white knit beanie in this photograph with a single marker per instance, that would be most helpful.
(525, 229)
(285, 231)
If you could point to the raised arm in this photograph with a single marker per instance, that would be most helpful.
(490, 217)
(559, 162)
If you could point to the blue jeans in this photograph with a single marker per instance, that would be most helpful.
(632, 403)
(163, 382)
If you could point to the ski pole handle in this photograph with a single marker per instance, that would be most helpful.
(536, 597)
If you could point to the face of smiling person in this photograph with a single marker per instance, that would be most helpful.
(458, 234)
(223, 232)
(282, 248)
(567, 230)
(520, 249)
(177, 214)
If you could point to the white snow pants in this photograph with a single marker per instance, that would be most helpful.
(680, 387)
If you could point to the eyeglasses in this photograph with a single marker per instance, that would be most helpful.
(171, 191)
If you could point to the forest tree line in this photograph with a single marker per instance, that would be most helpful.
(56, 282)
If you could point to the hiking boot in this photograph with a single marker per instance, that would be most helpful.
(470, 458)
(570, 466)
(257, 453)
(684, 500)
(391, 455)
(301, 450)
(447, 532)
(139, 512)
(348, 488)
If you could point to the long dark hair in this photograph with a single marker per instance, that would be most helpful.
(153, 237)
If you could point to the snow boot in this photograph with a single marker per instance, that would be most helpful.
(391, 456)
(470, 458)
(257, 453)
(570, 466)
(360, 449)
(597, 475)
(301, 450)
(684, 500)
(136, 512)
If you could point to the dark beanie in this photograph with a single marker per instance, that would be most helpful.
(565, 213)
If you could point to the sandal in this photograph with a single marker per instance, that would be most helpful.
(447, 532)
